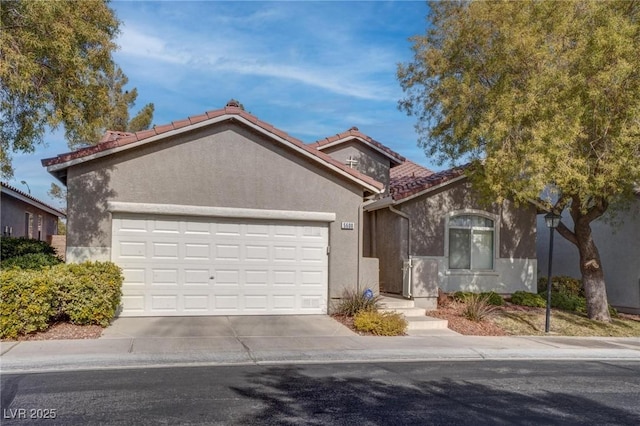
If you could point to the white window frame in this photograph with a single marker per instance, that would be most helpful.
(28, 226)
(496, 238)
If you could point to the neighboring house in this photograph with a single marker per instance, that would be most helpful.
(618, 242)
(429, 231)
(22, 215)
(224, 214)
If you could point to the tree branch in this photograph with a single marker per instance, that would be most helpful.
(567, 234)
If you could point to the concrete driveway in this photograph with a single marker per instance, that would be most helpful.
(227, 326)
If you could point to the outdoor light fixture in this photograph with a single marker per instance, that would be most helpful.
(27, 185)
(552, 220)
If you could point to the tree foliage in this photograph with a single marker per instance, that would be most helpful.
(122, 101)
(536, 93)
(56, 68)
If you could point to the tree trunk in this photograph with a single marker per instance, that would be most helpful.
(592, 273)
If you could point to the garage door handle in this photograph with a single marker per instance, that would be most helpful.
(212, 277)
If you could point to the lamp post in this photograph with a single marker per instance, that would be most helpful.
(24, 182)
(552, 220)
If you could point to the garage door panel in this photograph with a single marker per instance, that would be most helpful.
(199, 266)
(311, 278)
(134, 276)
(226, 252)
(284, 253)
(227, 229)
(196, 303)
(313, 254)
(257, 231)
(197, 251)
(256, 253)
(133, 249)
(164, 226)
(165, 250)
(197, 277)
(284, 277)
(165, 302)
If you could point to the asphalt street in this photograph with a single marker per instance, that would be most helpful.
(413, 393)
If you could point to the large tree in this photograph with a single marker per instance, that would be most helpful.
(56, 68)
(536, 94)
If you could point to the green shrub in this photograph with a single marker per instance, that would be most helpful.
(13, 247)
(568, 302)
(31, 261)
(524, 298)
(87, 293)
(562, 283)
(478, 307)
(380, 323)
(353, 302)
(27, 301)
(92, 294)
(493, 298)
(462, 296)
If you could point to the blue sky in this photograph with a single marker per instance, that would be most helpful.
(312, 69)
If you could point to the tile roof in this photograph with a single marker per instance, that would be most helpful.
(112, 140)
(32, 200)
(112, 135)
(410, 180)
(354, 133)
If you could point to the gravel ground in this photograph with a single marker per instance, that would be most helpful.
(449, 310)
(63, 331)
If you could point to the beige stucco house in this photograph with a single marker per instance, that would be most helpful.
(429, 231)
(22, 215)
(223, 214)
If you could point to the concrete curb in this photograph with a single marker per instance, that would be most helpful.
(111, 353)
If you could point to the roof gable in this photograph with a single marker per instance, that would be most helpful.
(410, 182)
(355, 134)
(27, 198)
(114, 142)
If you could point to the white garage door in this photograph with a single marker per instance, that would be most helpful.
(201, 266)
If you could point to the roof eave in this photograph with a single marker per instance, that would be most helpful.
(430, 189)
(29, 200)
(57, 169)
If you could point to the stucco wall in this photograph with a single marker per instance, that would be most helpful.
(619, 245)
(370, 162)
(515, 255)
(12, 214)
(224, 166)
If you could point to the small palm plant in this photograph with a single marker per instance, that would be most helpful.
(478, 307)
(353, 302)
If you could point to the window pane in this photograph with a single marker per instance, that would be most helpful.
(462, 220)
(469, 221)
(482, 250)
(459, 249)
(482, 222)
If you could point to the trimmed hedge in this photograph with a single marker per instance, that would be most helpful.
(27, 301)
(31, 261)
(93, 295)
(86, 293)
(13, 247)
